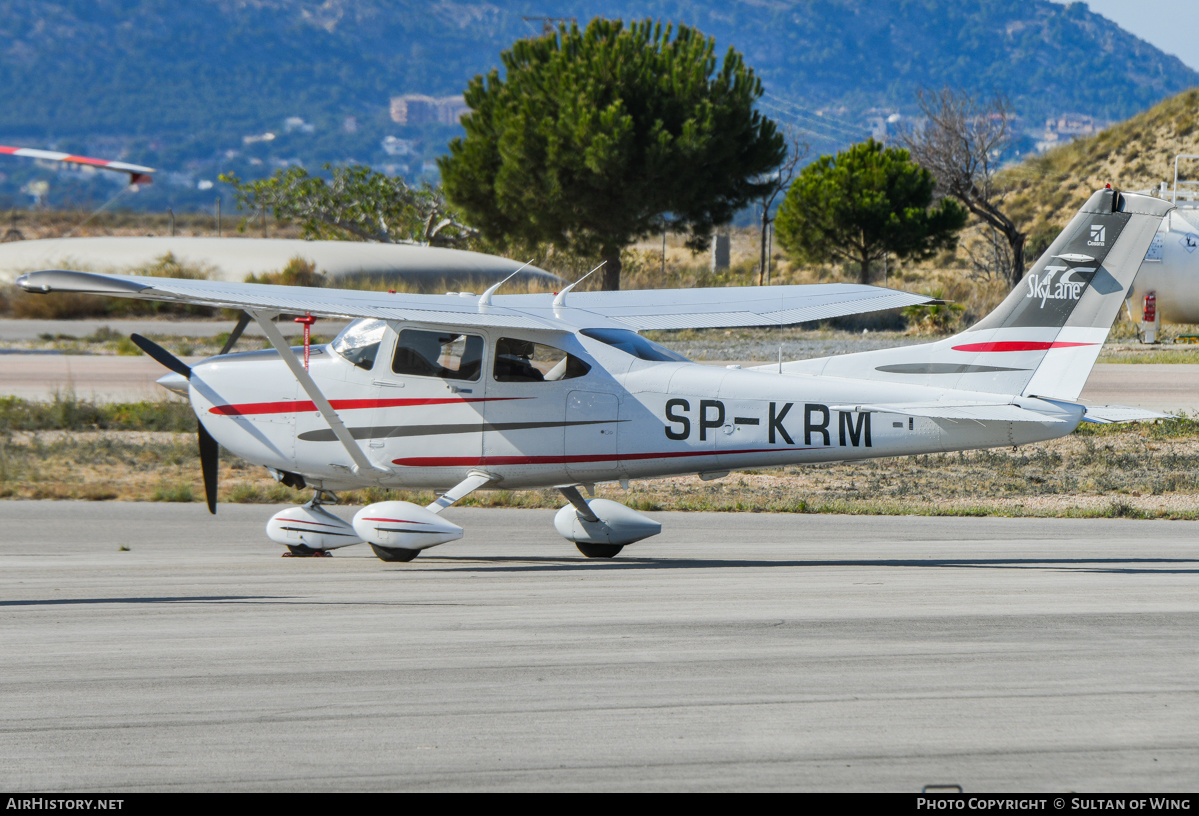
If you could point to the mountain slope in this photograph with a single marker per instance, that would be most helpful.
(1137, 154)
(179, 86)
(153, 65)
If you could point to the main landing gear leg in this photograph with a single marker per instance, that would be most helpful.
(590, 549)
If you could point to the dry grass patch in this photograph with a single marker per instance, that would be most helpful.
(1133, 471)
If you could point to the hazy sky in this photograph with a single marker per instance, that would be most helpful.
(1171, 25)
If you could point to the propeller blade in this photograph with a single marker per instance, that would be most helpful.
(161, 355)
(210, 453)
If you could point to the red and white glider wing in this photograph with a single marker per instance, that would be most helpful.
(137, 173)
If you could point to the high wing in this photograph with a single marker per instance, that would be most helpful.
(637, 310)
(718, 307)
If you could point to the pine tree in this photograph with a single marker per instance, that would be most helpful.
(865, 202)
(594, 138)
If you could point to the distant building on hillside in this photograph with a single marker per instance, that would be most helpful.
(883, 123)
(394, 146)
(293, 123)
(418, 109)
(1067, 127)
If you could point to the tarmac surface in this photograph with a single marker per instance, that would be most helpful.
(732, 652)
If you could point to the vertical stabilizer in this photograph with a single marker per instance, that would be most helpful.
(1045, 336)
(1059, 316)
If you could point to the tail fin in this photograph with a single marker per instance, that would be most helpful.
(1044, 338)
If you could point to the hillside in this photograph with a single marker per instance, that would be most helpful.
(1137, 154)
(195, 88)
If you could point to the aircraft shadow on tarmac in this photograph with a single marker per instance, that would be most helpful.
(501, 563)
(180, 599)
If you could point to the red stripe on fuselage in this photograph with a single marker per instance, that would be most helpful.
(306, 521)
(1018, 345)
(296, 406)
(396, 521)
(483, 461)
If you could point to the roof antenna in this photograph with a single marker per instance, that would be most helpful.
(560, 298)
(485, 298)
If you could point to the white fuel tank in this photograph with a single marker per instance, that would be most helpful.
(1171, 270)
(403, 525)
(617, 524)
(313, 527)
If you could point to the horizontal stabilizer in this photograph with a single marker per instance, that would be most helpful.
(1105, 414)
(956, 412)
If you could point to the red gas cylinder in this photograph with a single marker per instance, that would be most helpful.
(1149, 309)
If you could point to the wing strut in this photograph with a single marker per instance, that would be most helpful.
(573, 496)
(243, 320)
(361, 463)
(473, 481)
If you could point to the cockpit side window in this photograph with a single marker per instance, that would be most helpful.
(448, 355)
(630, 342)
(526, 361)
(359, 342)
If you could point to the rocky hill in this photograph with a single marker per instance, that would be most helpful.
(1138, 154)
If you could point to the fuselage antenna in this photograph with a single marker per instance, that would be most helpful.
(560, 298)
(485, 298)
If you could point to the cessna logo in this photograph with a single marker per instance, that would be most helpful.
(1044, 287)
(1098, 233)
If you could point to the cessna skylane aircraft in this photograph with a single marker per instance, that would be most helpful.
(459, 392)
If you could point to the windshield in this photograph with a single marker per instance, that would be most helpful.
(359, 341)
(630, 342)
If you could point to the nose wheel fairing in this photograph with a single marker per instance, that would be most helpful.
(310, 527)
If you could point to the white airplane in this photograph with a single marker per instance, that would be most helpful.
(459, 392)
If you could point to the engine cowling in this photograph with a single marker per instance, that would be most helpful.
(615, 524)
(312, 527)
(403, 525)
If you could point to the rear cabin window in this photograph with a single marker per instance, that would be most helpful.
(448, 355)
(632, 343)
(525, 361)
(359, 342)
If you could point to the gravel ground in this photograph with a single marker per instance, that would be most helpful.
(763, 344)
(1136, 470)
